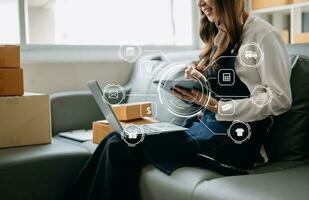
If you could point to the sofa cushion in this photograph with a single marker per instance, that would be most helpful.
(156, 185)
(281, 185)
(88, 145)
(289, 137)
(40, 172)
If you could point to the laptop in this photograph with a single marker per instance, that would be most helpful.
(147, 129)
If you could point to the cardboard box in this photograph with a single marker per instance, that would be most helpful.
(132, 111)
(301, 38)
(25, 120)
(300, 1)
(9, 56)
(285, 36)
(259, 4)
(11, 82)
(101, 129)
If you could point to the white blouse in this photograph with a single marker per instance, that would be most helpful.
(269, 82)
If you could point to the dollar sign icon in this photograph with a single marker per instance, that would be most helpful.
(149, 111)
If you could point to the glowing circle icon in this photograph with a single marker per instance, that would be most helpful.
(261, 96)
(239, 132)
(251, 55)
(177, 106)
(114, 94)
(130, 53)
(133, 135)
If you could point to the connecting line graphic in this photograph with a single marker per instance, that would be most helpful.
(225, 96)
(225, 134)
(142, 95)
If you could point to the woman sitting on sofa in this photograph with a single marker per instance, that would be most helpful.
(260, 89)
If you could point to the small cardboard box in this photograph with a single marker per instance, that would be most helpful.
(9, 56)
(101, 129)
(132, 111)
(11, 82)
(25, 120)
(259, 4)
(301, 38)
(285, 36)
(300, 1)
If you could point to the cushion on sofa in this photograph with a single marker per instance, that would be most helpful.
(40, 172)
(282, 185)
(289, 137)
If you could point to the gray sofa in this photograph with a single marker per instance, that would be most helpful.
(47, 171)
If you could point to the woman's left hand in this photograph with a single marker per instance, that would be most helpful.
(196, 97)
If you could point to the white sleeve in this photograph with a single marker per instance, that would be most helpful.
(274, 74)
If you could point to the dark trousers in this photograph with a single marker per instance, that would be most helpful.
(113, 172)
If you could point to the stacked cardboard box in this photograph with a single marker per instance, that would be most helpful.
(259, 4)
(127, 114)
(11, 73)
(101, 129)
(285, 36)
(300, 1)
(302, 38)
(132, 111)
(24, 119)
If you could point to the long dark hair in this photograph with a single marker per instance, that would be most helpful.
(229, 13)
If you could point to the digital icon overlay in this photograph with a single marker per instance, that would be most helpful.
(114, 94)
(228, 108)
(226, 77)
(239, 132)
(133, 135)
(251, 55)
(130, 53)
(174, 105)
(261, 96)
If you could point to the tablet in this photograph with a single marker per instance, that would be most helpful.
(186, 84)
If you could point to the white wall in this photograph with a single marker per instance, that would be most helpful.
(57, 77)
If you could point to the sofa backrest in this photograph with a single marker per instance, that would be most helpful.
(289, 137)
(73, 111)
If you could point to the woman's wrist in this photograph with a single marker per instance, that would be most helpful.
(212, 105)
(214, 108)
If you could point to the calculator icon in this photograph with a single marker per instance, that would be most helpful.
(226, 77)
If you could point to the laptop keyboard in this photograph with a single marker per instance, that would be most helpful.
(140, 130)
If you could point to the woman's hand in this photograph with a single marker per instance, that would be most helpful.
(195, 70)
(197, 97)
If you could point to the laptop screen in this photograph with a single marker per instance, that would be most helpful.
(104, 106)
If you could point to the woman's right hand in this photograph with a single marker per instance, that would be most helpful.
(195, 70)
